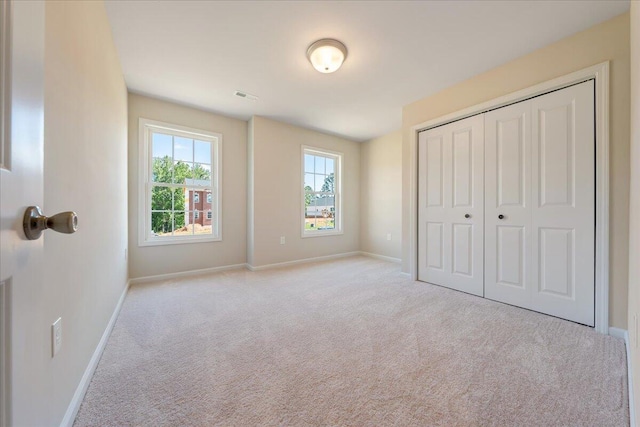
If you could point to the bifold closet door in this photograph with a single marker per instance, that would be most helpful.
(507, 204)
(451, 205)
(540, 204)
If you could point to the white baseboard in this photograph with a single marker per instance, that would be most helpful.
(624, 334)
(381, 257)
(183, 274)
(405, 274)
(81, 390)
(302, 261)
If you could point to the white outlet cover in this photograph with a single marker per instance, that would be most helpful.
(56, 336)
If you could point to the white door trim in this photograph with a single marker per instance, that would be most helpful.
(599, 72)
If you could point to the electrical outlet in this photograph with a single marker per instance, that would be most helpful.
(388, 236)
(56, 336)
(282, 240)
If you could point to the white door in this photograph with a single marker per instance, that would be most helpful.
(24, 333)
(451, 205)
(507, 204)
(563, 203)
(540, 204)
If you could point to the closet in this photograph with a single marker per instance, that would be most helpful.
(506, 204)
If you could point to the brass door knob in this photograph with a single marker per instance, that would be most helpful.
(34, 222)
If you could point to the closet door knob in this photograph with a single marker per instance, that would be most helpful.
(500, 216)
(467, 216)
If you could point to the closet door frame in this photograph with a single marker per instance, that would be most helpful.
(600, 74)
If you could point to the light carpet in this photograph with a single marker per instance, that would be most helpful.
(347, 343)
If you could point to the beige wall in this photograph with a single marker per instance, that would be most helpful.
(381, 195)
(155, 260)
(85, 169)
(607, 41)
(634, 208)
(277, 194)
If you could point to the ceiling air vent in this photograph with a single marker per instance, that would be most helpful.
(245, 95)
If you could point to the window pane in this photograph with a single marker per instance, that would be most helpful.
(162, 169)
(182, 171)
(180, 199)
(309, 183)
(202, 172)
(183, 149)
(179, 227)
(328, 184)
(161, 199)
(319, 164)
(328, 213)
(161, 145)
(161, 224)
(310, 214)
(329, 166)
(319, 182)
(202, 151)
(308, 163)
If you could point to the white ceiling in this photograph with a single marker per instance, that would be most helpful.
(198, 53)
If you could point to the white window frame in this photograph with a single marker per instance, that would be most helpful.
(337, 157)
(145, 237)
(196, 197)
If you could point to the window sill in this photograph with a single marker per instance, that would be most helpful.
(322, 234)
(178, 241)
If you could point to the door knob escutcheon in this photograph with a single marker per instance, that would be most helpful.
(34, 222)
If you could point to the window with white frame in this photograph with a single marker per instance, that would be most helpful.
(176, 165)
(321, 212)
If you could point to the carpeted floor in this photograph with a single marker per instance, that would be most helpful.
(347, 343)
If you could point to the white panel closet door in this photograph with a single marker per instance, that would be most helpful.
(563, 208)
(507, 204)
(540, 204)
(451, 205)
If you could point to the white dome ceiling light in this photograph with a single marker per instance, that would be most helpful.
(327, 55)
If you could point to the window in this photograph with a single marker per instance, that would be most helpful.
(209, 198)
(176, 165)
(209, 214)
(321, 192)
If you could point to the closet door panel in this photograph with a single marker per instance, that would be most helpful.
(451, 205)
(507, 204)
(563, 212)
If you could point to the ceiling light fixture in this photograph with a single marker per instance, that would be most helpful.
(327, 55)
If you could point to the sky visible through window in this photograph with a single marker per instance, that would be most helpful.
(187, 150)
